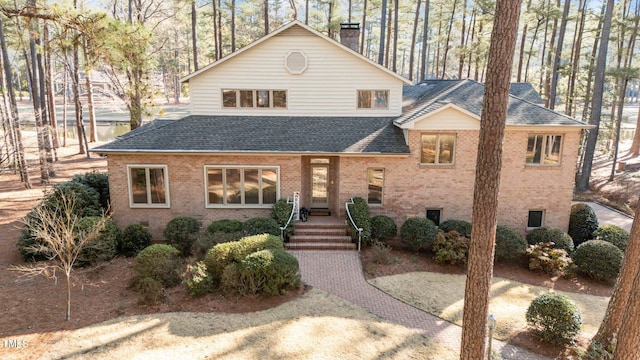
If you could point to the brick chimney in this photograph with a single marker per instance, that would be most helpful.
(350, 35)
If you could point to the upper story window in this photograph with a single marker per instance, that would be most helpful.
(438, 149)
(241, 186)
(373, 99)
(375, 177)
(274, 99)
(148, 186)
(544, 149)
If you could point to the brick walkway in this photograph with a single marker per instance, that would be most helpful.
(340, 273)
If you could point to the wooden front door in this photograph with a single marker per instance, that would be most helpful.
(320, 186)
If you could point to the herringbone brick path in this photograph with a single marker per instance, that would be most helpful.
(340, 273)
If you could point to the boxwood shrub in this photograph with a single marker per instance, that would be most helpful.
(221, 255)
(102, 248)
(582, 223)
(99, 181)
(383, 228)
(160, 262)
(280, 212)
(225, 226)
(613, 234)
(269, 271)
(418, 233)
(544, 234)
(261, 225)
(462, 227)
(359, 211)
(554, 318)
(135, 237)
(599, 259)
(181, 232)
(509, 243)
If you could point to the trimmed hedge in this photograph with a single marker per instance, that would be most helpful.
(544, 234)
(582, 223)
(359, 211)
(160, 262)
(462, 227)
(181, 232)
(418, 233)
(613, 234)
(509, 243)
(599, 259)
(225, 226)
(261, 225)
(554, 318)
(383, 228)
(280, 212)
(134, 239)
(269, 271)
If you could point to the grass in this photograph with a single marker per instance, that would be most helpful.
(443, 295)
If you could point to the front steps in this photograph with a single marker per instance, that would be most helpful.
(320, 235)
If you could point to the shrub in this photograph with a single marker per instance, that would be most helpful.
(197, 279)
(462, 227)
(451, 248)
(99, 181)
(359, 211)
(381, 253)
(599, 259)
(102, 248)
(418, 233)
(613, 234)
(206, 241)
(225, 226)
(582, 223)
(559, 238)
(554, 318)
(181, 232)
(86, 199)
(30, 248)
(509, 243)
(134, 238)
(221, 255)
(269, 271)
(261, 225)
(383, 228)
(160, 262)
(545, 257)
(280, 212)
(151, 290)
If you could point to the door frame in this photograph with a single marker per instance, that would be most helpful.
(327, 204)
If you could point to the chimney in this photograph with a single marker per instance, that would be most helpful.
(350, 35)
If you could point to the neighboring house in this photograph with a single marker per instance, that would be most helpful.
(298, 112)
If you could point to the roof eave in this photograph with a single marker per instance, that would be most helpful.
(252, 153)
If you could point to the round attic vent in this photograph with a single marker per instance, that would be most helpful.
(295, 62)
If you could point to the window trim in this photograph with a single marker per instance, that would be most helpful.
(426, 214)
(371, 91)
(542, 150)
(254, 99)
(260, 205)
(437, 162)
(544, 213)
(148, 205)
(374, 168)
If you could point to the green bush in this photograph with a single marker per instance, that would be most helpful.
(613, 234)
(269, 271)
(359, 211)
(559, 238)
(182, 232)
(225, 226)
(383, 228)
(134, 238)
(221, 255)
(160, 262)
(462, 227)
(261, 225)
(582, 223)
(99, 181)
(86, 199)
(102, 248)
(451, 248)
(418, 233)
(509, 243)
(545, 257)
(29, 246)
(599, 259)
(554, 318)
(280, 212)
(197, 279)
(206, 241)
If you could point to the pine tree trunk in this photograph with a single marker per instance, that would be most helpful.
(549, 67)
(194, 35)
(462, 40)
(49, 87)
(388, 48)
(266, 17)
(233, 25)
(364, 24)
(558, 55)
(396, 4)
(75, 76)
(215, 31)
(414, 35)
(487, 181)
(425, 37)
(522, 41)
(575, 63)
(383, 24)
(93, 128)
(629, 338)
(446, 44)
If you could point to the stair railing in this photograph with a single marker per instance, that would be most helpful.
(294, 211)
(353, 223)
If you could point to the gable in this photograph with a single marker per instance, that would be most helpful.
(449, 117)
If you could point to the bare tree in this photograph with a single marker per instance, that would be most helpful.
(487, 182)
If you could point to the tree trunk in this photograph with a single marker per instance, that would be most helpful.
(215, 31)
(413, 39)
(388, 48)
(65, 84)
(364, 24)
(549, 67)
(383, 24)
(635, 145)
(194, 35)
(594, 52)
(575, 63)
(266, 17)
(487, 182)
(221, 49)
(75, 78)
(233, 23)
(446, 44)
(93, 128)
(425, 37)
(49, 88)
(462, 40)
(629, 338)
(522, 41)
(396, 4)
(596, 102)
(68, 296)
(558, 55)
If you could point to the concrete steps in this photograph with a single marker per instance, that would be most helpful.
(315, 235)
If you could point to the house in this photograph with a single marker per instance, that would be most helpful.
(297, 112)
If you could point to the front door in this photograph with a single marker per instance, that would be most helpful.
(320, 186)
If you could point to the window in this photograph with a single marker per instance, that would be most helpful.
(375, 178)
(373, 99)
(275, 99)
(434, 215)
(544, 149)
(536, 218)
(148, 186)
(438, 148)
(241, 186)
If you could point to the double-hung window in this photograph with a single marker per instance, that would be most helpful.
(375, 177)
(148, 186)
(544, 149)
(438, 149)
(373, 99)
(241, 186)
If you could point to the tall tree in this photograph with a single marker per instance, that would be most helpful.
(396, 10)
(414, 35)
(232, 9)
(194, 35)
(558, 55)
(596, 101)
(487, 181)
(266, 17)
(364, 26)
(383, 24)
(425, 38)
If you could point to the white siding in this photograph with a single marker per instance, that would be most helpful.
(328, 87)
(447, 119)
